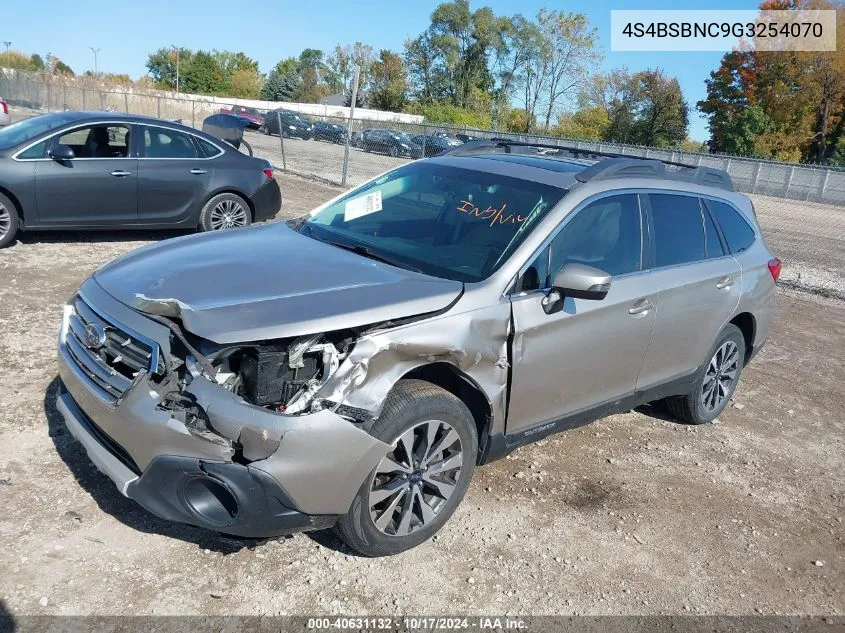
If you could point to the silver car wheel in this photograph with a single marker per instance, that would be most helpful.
(415, 480)
(5, 220)
(720, 376)
(228, 214)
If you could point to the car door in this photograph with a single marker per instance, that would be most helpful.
(698, 287)
(174, 176)
(589, 353)
(98, 187)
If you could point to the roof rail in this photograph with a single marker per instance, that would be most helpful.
(609, 165)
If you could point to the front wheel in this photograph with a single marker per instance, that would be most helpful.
(716, 380)
(9, 221)
(416, 487)
(225, 211)
(394, 152)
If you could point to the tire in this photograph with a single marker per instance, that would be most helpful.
(411, 409)
(266, 129)
(394, 152)
(9, 221)
(225, 211)
(725, 359)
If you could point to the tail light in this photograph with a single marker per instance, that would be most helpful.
(5, 107)
(774, 268)
(268, 171)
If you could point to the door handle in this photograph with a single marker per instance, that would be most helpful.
(196, 171)
(641, 306)
(725, 282)
(121, 173)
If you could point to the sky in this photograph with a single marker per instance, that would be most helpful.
(270, 30)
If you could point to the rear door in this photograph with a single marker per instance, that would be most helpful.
(698, 286)
(99, 187)
(174, 175)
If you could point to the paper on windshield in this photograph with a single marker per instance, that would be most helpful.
(364, 205)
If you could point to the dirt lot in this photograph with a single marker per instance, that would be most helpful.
(634, 514)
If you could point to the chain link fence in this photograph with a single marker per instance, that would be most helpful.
(348, 152)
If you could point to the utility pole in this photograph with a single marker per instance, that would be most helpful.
(177, 67)
(355, 80)
(8, 44)
(96, 67)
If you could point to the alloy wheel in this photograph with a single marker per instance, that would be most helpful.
(415, 480)
(5, 220)
(228, 214)
(720, 376)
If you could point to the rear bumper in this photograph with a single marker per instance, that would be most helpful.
(267, 201)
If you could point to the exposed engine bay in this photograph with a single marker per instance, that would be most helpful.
(280, 375)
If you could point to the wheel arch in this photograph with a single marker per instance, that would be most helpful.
(232, 190)
(747, 324)
(17, 203)
(452, 379)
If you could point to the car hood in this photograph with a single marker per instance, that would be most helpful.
(268, 282)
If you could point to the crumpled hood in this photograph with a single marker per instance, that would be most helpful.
(267, 282)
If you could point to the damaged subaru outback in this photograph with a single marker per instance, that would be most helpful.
(351, 368)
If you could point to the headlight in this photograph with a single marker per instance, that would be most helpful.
(291, 127)
(405, 146)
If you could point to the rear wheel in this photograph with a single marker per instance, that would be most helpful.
(716, 381)
(9, 221)
(394, 152)
(416, 487)
(225, 211)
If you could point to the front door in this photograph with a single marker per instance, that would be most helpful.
(174, 179)
(98, 187)
(590, 353)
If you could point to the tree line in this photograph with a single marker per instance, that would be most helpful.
(780, 105)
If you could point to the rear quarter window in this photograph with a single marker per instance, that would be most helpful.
(738, 233)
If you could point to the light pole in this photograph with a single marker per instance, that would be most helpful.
(96, 68)
(177, 67)
(8, 44)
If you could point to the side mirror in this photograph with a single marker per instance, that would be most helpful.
(62, 152)
(578, 281)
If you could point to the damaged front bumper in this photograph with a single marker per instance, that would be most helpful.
(266, 473)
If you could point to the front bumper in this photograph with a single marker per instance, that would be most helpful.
(292, 472)
(267, 201)
(222, 496)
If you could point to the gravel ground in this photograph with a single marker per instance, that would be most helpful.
(634, 514)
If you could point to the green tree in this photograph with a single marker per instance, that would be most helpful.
(282, 83)
(230, 62)
(388, 82)
(245, 83)
(161, 66)
(203, 75)
(36, 62)
(661, 114)
(60, 68)
(589, 124)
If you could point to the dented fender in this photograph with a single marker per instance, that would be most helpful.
(474, 341)
(319, 459)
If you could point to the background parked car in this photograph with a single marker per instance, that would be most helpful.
(465, 138)
(294, 125)
(4, 112)
(435, 144)
(255, 118)
(390, 142)
(330, 132)
(83, 170)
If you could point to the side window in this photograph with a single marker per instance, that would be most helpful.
(605, 234)
(738, 234)
(39, 150)
(678, 229)
(537, 274)
(207, 148)
(165, 143)
(97, 141)
(712, 243)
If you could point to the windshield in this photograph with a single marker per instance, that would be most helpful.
(22, 131)
(401, 136)
(445, 221)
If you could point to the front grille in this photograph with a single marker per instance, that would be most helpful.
(109, 355)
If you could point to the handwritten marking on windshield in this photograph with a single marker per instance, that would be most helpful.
(490, 213)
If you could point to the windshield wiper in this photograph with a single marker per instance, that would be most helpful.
(368, 252)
